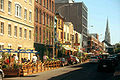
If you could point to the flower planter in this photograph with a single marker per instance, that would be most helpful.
(13, 72)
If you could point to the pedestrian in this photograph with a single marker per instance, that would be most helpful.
(16, 58)
(34, 58)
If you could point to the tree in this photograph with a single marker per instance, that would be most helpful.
(117, 48)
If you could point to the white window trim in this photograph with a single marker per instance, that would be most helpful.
(31, 34)
(11, 32)
(19, 32)
(31, 16)
(11, 7)
(24, 13)
(3, 6)
(17, 3)
(24, 33)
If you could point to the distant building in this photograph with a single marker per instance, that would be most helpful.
(64, 1)
(94, 45)
(77, 14)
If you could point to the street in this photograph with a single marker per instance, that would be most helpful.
(85, 71)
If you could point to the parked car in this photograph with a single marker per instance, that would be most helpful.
(1, 74)
(93, 59)
(114, 59)
(71, 59)
(106, 65)
(64, 62)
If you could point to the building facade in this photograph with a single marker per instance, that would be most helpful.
(68, 38)
(94, 45)
(44, 26)
(64, 1)
(17, 24)
(77, 14)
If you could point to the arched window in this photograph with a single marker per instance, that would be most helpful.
(17, 10)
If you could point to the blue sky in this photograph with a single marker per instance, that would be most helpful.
(98, 11)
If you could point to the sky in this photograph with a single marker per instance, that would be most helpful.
(98, 12)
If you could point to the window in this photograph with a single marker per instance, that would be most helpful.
(9, 29)
(40, 1)
(44, 3)
(67, 36)
(1, 46)
(64, 35)
(40, 35)
(17, 10)
(25, 33)
(29, 34)
(52, 6)
(52, 38)
(36, 34)
(30, 1)
(49, 37)
(30, 16)
(25, 14)
(2, 4)
(9, 7)
(36, 14)
(20, 32)
(40, 17)
(9, 46)
(2, 28)
(49, 4)
(15, 31)
(47, 19)
(43, 35)
(44, 18)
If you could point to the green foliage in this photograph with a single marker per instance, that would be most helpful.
(117, 48)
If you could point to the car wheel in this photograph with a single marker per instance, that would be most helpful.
(1, 76)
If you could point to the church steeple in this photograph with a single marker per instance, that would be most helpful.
(107, 33)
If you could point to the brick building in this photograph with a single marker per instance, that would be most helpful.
(44, 26)
(94, 45)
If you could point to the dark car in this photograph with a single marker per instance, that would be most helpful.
(64, 61)
(106, 65)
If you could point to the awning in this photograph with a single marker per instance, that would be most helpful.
(66, 48)
(69, 48)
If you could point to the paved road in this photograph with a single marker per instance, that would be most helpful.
(84, 71)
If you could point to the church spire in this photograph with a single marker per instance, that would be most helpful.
(107, 33)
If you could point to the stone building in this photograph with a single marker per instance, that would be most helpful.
(17, 25)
